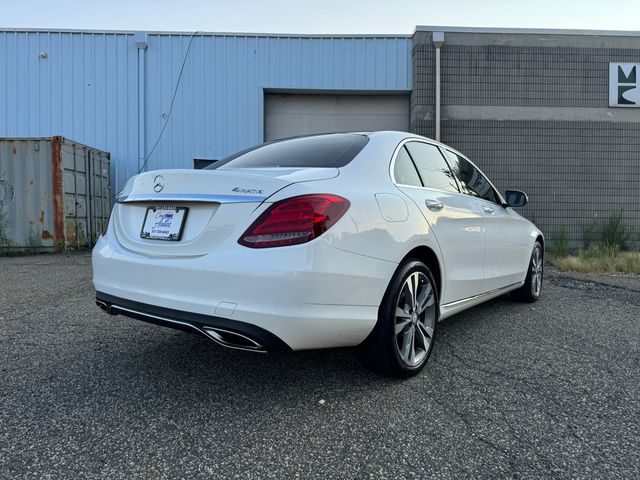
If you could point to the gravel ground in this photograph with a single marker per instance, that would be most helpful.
(549, 390)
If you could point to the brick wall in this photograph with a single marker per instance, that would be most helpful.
(536, 117)
(577, 174)
(528, 76)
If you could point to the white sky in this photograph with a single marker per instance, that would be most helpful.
(321, 16)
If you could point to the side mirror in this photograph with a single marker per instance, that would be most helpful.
(516, 198)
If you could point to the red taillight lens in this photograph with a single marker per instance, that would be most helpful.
(295, 220)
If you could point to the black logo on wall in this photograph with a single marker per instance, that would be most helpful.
(624, 88)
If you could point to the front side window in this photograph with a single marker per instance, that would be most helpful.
(472, 181)
(432, 167)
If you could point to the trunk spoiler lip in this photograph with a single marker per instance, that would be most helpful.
(189, 197)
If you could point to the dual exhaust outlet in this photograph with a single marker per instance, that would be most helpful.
(221, 336)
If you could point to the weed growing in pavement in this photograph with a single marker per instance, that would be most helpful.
(560, 244)
(600, 259)
(33, 241)
(5, 243)
(608, 256)
(589, 235)
(615, 234)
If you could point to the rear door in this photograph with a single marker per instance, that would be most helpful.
(421, 172)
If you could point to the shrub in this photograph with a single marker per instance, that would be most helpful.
(600, 259)
(33, 241)
(560, 244)
(589, 235)
(5, 243)
(615, 233)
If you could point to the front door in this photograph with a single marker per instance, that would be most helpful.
(505, 260)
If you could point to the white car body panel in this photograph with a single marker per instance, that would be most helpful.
(324, 293)
(508, 246)
(458, 228)
(287, 291)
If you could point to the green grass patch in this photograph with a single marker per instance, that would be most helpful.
(599, 259)
(32, 241)
(560, 244)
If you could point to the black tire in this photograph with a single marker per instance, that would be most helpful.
(381, 351)
(530, 291)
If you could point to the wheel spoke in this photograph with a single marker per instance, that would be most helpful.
(413, 287)
(408, 295)
(426, 330)
(406, 345)
(425, 299)
(401, 313)
(412, 351)
(401, 325)
(424, 339)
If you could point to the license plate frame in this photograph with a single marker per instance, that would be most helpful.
(172, 234)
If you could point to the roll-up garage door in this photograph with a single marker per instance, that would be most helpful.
(289, 115)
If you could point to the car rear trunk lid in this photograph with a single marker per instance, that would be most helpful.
(217, 202)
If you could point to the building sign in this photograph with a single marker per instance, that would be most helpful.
(624, 84)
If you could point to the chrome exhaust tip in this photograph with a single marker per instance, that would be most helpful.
(102, 305)
(235, 340)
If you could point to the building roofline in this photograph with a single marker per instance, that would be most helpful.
(528, 31)
(418, 28)
(203, 33)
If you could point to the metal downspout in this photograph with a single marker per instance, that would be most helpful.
(438, 41)
(141, 41)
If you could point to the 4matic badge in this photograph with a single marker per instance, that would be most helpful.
(248, 190)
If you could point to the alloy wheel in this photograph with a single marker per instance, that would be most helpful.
(536, 271)
(415, 318)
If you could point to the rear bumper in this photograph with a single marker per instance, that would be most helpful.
(307, 296)
(225, 332)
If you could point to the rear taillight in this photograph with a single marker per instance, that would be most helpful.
(295, 220)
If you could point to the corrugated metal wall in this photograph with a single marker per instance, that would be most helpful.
(86, 87)
(54, 193)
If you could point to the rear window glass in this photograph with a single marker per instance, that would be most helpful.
(335, 150)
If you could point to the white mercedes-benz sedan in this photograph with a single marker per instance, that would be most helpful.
(332, 240)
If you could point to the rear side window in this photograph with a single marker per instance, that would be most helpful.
(334, 150)
(473, 182)
(404, 171)
(432, 167)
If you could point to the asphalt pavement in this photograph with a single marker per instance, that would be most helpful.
(544, 390)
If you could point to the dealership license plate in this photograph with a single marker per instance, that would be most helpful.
(164, 223)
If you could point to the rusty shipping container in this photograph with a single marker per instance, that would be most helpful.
(55, 194)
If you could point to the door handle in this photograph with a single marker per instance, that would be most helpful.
(434, 205)
(488, 210)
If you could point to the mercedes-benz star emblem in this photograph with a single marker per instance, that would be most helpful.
(158, 183)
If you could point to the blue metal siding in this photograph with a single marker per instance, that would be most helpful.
(87, 87)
